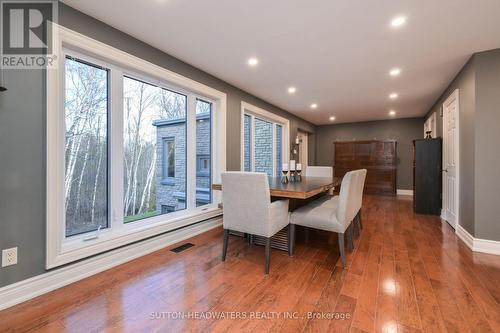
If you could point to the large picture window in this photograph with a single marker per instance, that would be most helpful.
(263, 146)
(133, 150)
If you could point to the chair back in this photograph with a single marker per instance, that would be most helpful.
(319, 171)
(348, 201)
(246, 202)
(361, 186)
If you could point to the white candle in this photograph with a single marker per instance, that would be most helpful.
(299, 167)
(285, 167)
(297, 141)
(292, 165)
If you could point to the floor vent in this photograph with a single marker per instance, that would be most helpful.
(181, 248)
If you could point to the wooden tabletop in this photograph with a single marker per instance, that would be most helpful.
(307, 188)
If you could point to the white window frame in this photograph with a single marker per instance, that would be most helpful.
(256, 112)
(61, 249)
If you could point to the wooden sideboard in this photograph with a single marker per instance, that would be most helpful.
(379, 158)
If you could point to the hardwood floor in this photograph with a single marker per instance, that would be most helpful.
(408, 273)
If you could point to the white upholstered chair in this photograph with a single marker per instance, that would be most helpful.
(248, 208)
(330, 215)
(360, 184)
(320, 171)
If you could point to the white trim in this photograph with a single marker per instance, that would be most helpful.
(61, 250)
(404, 192)
(27, 289)
(254, 111)
(477, 244)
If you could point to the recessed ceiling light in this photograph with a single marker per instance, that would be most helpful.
(398, 21)
(392, 113)
(314, 106)
(393, 96)
(395, 72)
(253, 61)
(332, 118)
(292, 90)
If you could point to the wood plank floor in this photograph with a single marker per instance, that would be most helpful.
(408, 273)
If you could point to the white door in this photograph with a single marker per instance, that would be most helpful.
(450, 158)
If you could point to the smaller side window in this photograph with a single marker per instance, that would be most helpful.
(203, 165)
(168, 159)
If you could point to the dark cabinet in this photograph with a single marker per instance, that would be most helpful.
(427, 181)
(377, 157)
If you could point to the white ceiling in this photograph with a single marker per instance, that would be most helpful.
(336, 52)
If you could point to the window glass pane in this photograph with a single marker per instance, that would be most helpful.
(154, 150)
(279, 149)
(168, 158)
(203, 153)
(247, 144)
(263, 146)
(86, 147)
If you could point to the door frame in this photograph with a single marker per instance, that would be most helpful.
(453, 96)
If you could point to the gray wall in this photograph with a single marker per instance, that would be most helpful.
(22, 173)
(402, 130)
(465, 83)
(487, 151)
(479, 92)
(22, 137)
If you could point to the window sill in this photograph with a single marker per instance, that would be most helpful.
(168, 181)
(76, 248)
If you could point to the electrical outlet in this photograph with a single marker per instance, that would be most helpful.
(9, 257)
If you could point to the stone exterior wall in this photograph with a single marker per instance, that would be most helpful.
(171, 192)
(263, 145)
(247, 157)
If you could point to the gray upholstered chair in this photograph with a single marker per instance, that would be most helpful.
(360, 184)
(332, 215)
(320, 171)
(248, 208)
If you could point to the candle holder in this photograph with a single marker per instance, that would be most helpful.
(299, 177)
(293, 176)
(284, 178)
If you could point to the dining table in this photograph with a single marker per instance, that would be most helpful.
(299, 192)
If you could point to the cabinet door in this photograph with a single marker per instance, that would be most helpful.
(344, 154)
(364, 154)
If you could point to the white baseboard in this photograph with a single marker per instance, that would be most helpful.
(38, 285)
(404, 192)
(477, 244)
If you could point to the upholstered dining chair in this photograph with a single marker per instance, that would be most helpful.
(360, 184)
(336, 216)
(248, 208)
(320, 171)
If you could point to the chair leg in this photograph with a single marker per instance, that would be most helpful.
(342, 252)
(359, 220)
(357, 230)
(291, 239)
(350, 236)
(224, 245)
(268, 253)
